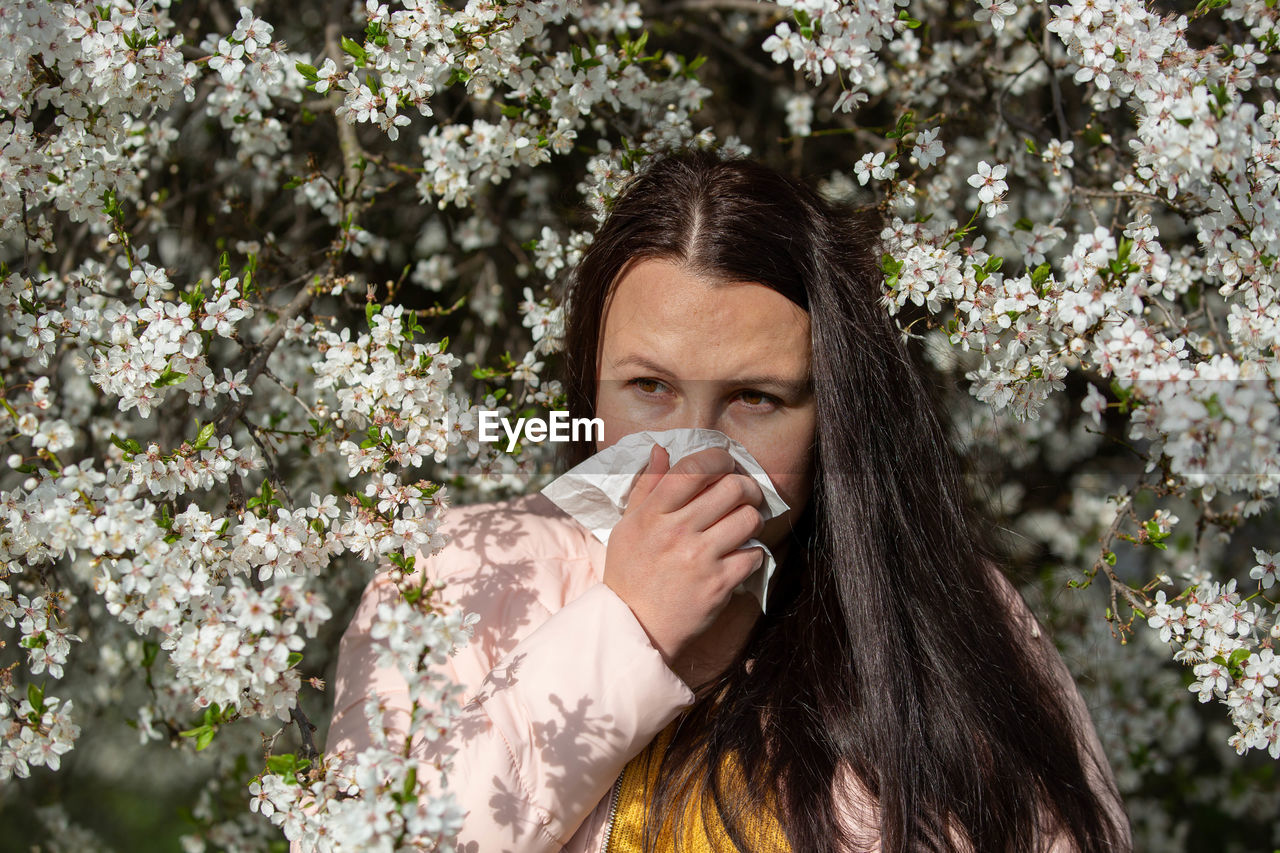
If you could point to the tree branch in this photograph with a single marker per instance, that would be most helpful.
(234, 409)
(267, 455)
(306, 730)
(347, 141)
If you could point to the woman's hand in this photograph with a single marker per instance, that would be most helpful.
(673, 556)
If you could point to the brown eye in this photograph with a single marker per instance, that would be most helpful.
(648, 386)
(758, 399)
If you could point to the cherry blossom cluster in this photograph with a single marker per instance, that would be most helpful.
(1221, 637)
(101, 69)
(830, 38)
(355, 804)
(392, 387)
(1031, 286)
(233, 242)
(410, 54)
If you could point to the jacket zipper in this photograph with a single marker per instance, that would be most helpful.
(614, 792)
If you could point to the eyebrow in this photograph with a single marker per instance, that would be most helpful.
(792, 386)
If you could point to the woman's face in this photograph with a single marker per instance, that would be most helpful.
(678, 350)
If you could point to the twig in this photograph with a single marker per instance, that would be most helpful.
(438, 310)
(706, 5)
(734, 52)
(233, 410)
(1064, 131)
(347, 141)
(1004, 93)
(1126, 194)
(1135, 599)
(306, 730)
(267, 456)
(1212, 323)
(26, 235)
(71, 252)
(291, 391)
(236, 486)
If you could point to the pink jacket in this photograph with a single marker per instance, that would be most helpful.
(561, 684)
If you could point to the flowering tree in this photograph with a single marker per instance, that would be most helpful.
(260, 273)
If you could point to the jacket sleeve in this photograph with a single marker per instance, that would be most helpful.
(545, 732)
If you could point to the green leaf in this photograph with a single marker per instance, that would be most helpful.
(906, 18)
(169, 377)
(128, 445)
(110, 205)
(1123, 250)
(1039, 277)
(35, 695)
(281, 765)
(307, 71)
(205, 737)
(355, 50)
(202, 438)
(266, 497)
(411, 784)
(295, 658)
(193, 297)
(34, 641)
(904, 126)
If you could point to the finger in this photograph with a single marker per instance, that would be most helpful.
(740, 565)
(720, 498)
(687, 478)
(659, 463)
(734, 530)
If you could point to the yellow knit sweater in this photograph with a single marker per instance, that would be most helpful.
(634, 810)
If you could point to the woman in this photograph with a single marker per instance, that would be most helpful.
(894, 695)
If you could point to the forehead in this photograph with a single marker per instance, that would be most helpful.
(702, 328)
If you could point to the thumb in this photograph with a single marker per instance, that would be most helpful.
(659, 463)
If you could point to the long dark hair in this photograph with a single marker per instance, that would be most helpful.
(889, 648)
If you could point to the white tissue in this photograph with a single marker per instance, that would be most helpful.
(596, 491)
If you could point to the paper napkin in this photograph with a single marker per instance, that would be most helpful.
(596, 491)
